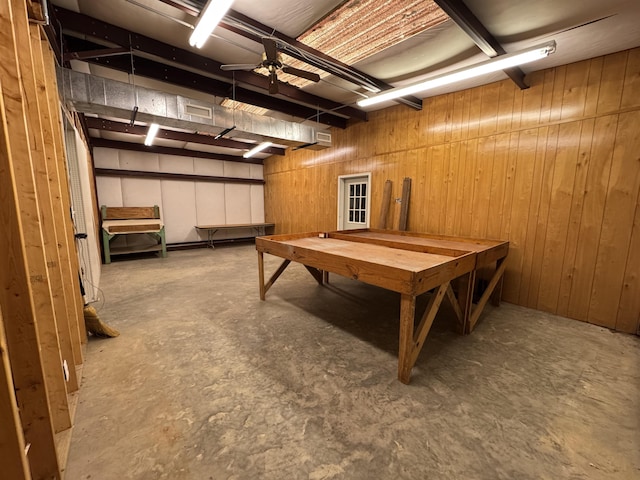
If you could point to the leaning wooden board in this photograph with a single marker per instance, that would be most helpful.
(404, 262)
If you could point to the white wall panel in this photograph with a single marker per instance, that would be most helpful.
(109, 191)
(176, 164)
(257, 171)
(210, 203)
(204, 166)
(146, 162)
(237, 203)
(257, 203)
(236, 169)
(183, 203)
(106, 158)
(141, 192)
(179, 205)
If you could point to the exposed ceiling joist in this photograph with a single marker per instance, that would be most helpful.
(120, 127)
(111, 34)
(182, 152)
(98, 53)
(411, 101)
(472, 26)
(194, 81)
(257, 30)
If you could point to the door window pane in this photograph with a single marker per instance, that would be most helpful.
(357, 203)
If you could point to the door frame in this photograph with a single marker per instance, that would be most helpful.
(341, 182)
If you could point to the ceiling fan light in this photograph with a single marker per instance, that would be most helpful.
(501, 62)
(256, 149)
(210, 17)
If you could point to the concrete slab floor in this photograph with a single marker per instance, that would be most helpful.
(208, 382)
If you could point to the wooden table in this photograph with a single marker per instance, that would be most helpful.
(408, 263)
(257, 228)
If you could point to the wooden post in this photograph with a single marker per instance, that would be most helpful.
(62, 293)
(12, 446)
(386, 201)
(17, 298)
(70, 268)
(404, 206)
(25, 294)
(53, 327)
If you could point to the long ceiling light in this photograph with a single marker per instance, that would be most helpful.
(501, 62)
(210, 17)
(256, 149)
(151, 134)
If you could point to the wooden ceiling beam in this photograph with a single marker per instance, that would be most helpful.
(145, 67)
(121, 127)
(409, 100)
(265, 30)
(182, 152)
(473, 27)
(111, 34)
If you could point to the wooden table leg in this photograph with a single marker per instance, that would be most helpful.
(264, 287)
(465, 298)
(497, 292)
(412, 338)
(407, 316)
(261, 274)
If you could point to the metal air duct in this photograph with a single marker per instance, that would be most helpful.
(92, 94)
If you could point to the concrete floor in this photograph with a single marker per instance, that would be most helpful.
(208, 382)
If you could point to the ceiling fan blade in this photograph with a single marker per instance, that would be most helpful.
(270, 49)
(314, 77)
(239, 66)
(273, 83)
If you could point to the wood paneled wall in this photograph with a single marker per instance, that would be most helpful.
(41, 324)
(554, 169)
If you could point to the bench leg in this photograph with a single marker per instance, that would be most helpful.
(163, 242)
(105, 246)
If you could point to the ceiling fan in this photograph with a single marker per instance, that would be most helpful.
(272, 61)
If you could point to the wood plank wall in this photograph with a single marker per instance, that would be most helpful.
(42, 321)
(554, 169)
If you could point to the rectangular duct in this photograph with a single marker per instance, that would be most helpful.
(92, 94)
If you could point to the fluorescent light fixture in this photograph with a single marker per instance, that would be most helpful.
(256, 149)
(224, 132)
(210, 17)
(501, 62)
(151, 134)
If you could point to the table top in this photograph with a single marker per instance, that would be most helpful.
(234, 225)
(400, 261)
(378, 254)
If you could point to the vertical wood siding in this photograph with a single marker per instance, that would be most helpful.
(554, 169)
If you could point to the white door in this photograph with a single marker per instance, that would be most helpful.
(353, 201)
